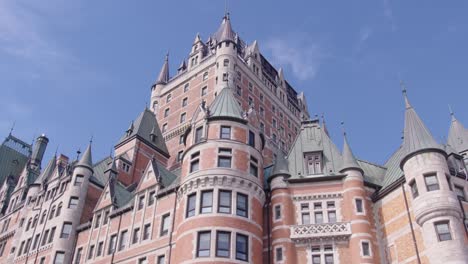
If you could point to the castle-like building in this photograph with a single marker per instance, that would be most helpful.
(227, 166)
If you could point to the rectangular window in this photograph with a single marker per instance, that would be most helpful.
(146, 231)
(78, 180)
(182, 117)
(460, 192)
(329, 259)
(305, 218)
(206, 202)
(316, 259)
(91, 252)
(277, 212)
(224, 205)
(443, 230)
(42, 261)
(181, 140)
(151, 198)
(179, 156)
(73, 204)
(165, 225)
(225, 132)
(166, 112)
(97, 222)
(141, 202)
(432, 184)
(191, 201)
(332, 216)
(242, 205)
(78, 255)
(224, 162)
(66, 230)
(318, 217)
(253, 169)
(242, 246)
(143, 261)
(44, 238)
(198, 134)
(161, 259)
(304, 206)
(252, 139)
(279, 254)
(186, 87)
(414, 189)
(106, 217)
(184, 102)
(99, 248)
(359, 208)
(194, 165)
(365, 248)
(204, 91)
(223, 244)
(123, 239)
(203, 244)
(136, 235)
(52, 234)
(59, 257)
(112, 244)
(36, 241)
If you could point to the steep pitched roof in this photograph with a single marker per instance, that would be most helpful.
(14, 154)
(416, 135)
(99, 168)
(144, 125)
(163, 76)
(458, 135)
(48, 171)
(87, 159)
(394, 171)
(349, 161)
(225, 32)
(312, 138)
(226, 106)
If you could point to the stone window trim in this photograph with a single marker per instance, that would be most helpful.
(362, 244)
(205, 76)
(322, 251)
(225, 158)
(279, 258)
(194, 162)
(165, 227)
(356, 204)
(443, 236)
(431, 185)
(459, 191)
(225, 132)
(327, 207)
(277, 212)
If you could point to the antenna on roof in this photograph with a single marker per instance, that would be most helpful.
(56, 150)
(450, 110)
(91, 139)
(343, 128)
(226, 12)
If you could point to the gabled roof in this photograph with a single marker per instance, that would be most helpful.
(349, 161)
(313, 138)
(144, 125)
(458, 135)
(225, 32)
(48, 171)
(163, 76)
(416, 135)
(226, 106)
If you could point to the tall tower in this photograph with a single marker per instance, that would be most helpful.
(436, 207)
(221, 187)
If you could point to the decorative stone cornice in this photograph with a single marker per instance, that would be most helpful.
(319, 232)
(221, 181)
(319, 196)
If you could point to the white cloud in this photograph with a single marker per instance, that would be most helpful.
(388, 13)
(298, 52)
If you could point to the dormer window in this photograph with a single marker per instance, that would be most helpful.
(313, 163)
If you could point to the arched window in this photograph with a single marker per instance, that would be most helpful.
(59, 209)
(52, 212)
(43, 218)
(36, 218)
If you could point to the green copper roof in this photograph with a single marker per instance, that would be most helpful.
(394, 171)
(98, 171)
(313, 138)
(143, 127)
(458, 135)
(280, 166)
(14, 155)
(416, 135)
(349, 161)
(225, 105)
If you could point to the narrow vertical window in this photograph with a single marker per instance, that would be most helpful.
(203, 244)
(252, 139)
(91, 252)
(146, 231)
(66, 230)
(141, 202)
(242, 205)
(78, 255)
(99, 248)
(52, 234)
(318, 217)
(332, 216)
(151, 198)
(206, 202)
(204, 91)
(459, 190)
(432, 184)
(182, 117)
(305, 218)
(191, 201)
(198, 134)
(359, 206)
(161, 259)
(224, 158)
(253, 166)
(224, 205)
(277, 212)
(123, 239)
(414, 189)
(365, 248)
(279, 254)
(242, 247)
(165, 225)
(223, 244)
(195, 162)
(136, 235)
(73, 204)
(112, 244)
(79, 180)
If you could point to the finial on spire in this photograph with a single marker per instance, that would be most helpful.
(226, 11)
(343, 130)
(91, 139)
(78, 152)
(403, 90)
(13, 127)
(56, 150)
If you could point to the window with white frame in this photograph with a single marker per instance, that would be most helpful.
(366, 250)
(432, 183)
(323, 254)
(279, 254)
(313, 162)
(165, 224)
(359, 203)
(242, 205)
(443, 230)
(206, 203)
(277, 209)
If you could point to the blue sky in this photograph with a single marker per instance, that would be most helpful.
(72, 69)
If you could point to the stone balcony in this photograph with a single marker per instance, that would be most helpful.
(319, 232)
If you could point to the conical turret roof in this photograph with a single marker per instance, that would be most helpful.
(281, 166)
(458, 135)
(416, 135)
(86, 160)
(349, 161)
(163, 77)
(225, 32)
(226, 106)
(47, 173)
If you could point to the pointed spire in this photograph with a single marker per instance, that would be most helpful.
(86, 160)
(416, 136)
(324, 125)
(225, 32)
(112, 168)
(163, 77)
(281, 166)
(349, 161)
(182, 66)
(458, 134)
(197, 39)
(48, 170)
(130, 129)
